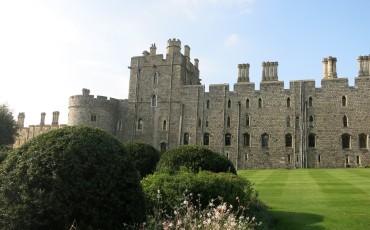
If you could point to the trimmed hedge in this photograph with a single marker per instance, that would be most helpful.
(145, 156)
(195, 158)
(75, 174)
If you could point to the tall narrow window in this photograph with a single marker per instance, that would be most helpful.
(288, 102)
(345, 121)
(288, 140)
(288, 121)
(319, 158)
(227, 139)
(119, 126)
(247, 103)
(289, 158)
(207, 104)
(260, 103)
(344, 101)
(229, 104)
(358, 160)
(207, 122)
(297, 121)
(163, 146)
(206, 139)
(247, 120)
(347, 159)
(311, 140)
(246, 139)
(346, 141)
(265, 140)
(155, 78)
(310, 101)
(228, 121)
(363, 141)
(154, 100)
(310, 123)
(164, 125)
(140, 123)
(93, 117)
(199, 122)
(186, 138)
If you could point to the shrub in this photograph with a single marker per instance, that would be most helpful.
(75, 175)
(194, 158)
(145, 156)
(210, 186)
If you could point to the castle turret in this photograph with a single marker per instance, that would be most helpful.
(20, 122)
(42, 121)
(173, 46)
(55, 120)
(270, 71)
(153, 49)
(243, 72)
(363, 66)
(329, 68)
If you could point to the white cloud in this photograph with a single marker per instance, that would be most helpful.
(231, 40)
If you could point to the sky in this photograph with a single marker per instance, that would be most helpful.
(50, 50)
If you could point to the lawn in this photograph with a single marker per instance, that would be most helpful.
(315, 198)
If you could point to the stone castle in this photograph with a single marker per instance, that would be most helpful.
(273, 127)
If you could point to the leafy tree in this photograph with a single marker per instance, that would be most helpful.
(75, 175)
(8, 126)
(145, 156)
(195, 158)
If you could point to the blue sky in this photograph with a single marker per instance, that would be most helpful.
(50, 50)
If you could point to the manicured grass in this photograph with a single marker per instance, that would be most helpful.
(315, 198)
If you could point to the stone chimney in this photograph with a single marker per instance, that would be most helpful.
(153, 49)
(329, 68)
(270, 71)
(42, 122)
(55, 118)
(20, 122)
(364, 66)
(243, 72)
(85, 92)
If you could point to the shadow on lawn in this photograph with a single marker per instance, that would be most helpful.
(297, 220)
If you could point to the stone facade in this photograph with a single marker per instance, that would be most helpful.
(273, 127)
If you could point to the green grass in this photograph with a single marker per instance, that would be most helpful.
(315, 198)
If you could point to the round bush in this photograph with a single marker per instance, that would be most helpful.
(75, 175)
(195, 158)
(145, 156)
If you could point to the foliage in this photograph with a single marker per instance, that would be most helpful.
(145, 156)
(210, 186)
(195, 158)
(75, 175)
(4, 151)
(8, 126)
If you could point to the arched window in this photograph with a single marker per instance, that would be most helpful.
(288, 121)
(154, 100)
(297, 121)
(345, 121)
(346, 141)
(247, 139)
(207, 122)
(206, 139)
(155, 78)
(140, 123)
(362, 141)
(288, 102)
(199, 122)
(228, 121)
(344, 101)
(163, 146)
(119, 126)
(260, 103)
(247, 120)
(311, 140)
(227, 139)
(186, 138)
(247, 103)
(288, 140)
(265, 140)
(310, 123)
(310, 101)
(207, 104)
(164, 127)
(229, 104)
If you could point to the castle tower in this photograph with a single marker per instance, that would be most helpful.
(21, 117)
(270, 71)
(42, 121)
(173, 46)
(243, 72)
(329, 68)
(55, 120)
(364, 66)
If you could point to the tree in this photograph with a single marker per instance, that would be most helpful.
(71, 175)
(8, 126)
(145, 156)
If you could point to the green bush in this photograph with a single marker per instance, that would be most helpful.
(75, 175)
(145, 156)
(165, 191)
(195, 158)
